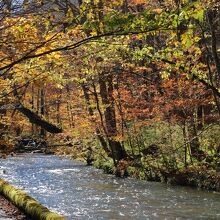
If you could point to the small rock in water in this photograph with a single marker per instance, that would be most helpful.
(3, 156)
(3, 171)
(12, 154)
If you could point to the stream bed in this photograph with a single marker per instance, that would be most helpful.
(80, 192)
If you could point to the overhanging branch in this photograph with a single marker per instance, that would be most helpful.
(29, 54)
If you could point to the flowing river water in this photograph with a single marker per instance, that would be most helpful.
(81, 192)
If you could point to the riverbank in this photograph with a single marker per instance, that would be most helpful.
(9, 212)
(199, 175)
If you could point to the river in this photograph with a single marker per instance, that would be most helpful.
(81, 192)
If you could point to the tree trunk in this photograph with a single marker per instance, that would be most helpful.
(91, 113)
(196, 152)
(42, 111)
(106, 94)
(69, 108)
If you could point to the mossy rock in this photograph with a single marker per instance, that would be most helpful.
(27, 204)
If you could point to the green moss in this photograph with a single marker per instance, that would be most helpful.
(29, 205)
(106, 165)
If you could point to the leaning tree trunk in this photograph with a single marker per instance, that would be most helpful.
(34, 118)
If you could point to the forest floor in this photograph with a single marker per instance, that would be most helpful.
(9, 212)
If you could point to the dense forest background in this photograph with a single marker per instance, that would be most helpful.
(132, 85)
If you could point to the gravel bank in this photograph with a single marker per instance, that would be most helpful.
(9, 211)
